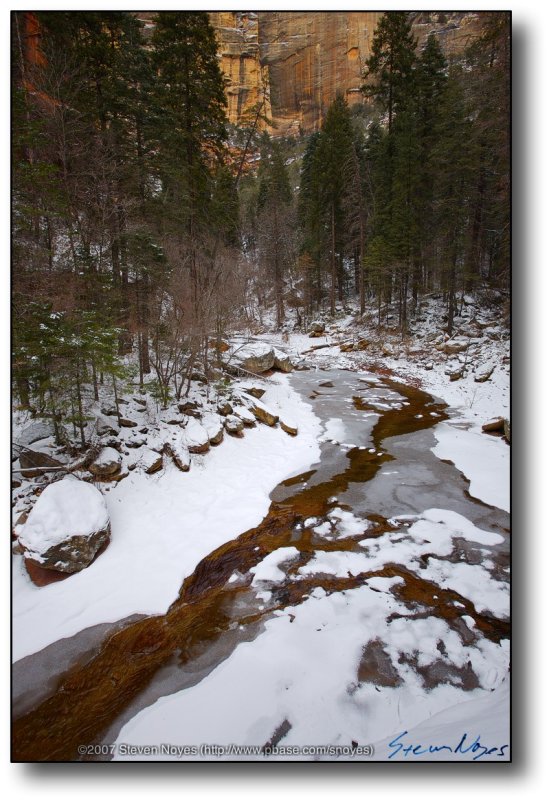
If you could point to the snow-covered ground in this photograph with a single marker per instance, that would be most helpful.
(162, 525)
(301, 672)
(299, 676)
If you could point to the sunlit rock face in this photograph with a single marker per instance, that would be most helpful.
(295, 62)
(455, 30)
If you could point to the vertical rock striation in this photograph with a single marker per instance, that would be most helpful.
(295, 62)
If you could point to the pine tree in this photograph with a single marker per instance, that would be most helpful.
(189, 115)
(334, 152)
(389, 68)
(453, 166)
(488, 86)
(275, 221)
(431, 78)
(356, 211)
(309, 217)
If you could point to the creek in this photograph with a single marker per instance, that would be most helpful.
(377, 465)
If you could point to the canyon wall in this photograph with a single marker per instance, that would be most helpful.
(294, 62)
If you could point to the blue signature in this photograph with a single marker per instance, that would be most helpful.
(464, 746)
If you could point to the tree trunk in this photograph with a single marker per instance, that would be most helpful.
(333, 266)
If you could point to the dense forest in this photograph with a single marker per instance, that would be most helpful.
(146, 228)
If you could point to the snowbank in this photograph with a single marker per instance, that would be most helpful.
(483, 459)
(163, 525)
(302, 673)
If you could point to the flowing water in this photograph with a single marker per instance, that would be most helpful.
(377, 463)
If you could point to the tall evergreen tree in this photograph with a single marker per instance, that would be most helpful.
(309, 217)
(431, 78)
(334, 152)
(488, 86)
(389, 68)
(453, 165)
(275, 221)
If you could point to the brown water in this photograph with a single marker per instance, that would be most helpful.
(394, 473)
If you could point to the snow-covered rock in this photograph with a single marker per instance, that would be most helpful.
(224, 408)
(254, 357)
(105, 425)
(67, 526)
(177, 448)
(33, 433)
(262, 413)
(269, 568)
(245, 415)
(234, 425)
(213, 425)
(147, 460)
(107, 464)
(196, 436)
(31, 461)
(316, 329)
(282, 361)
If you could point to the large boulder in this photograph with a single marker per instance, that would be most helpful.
(282, 361)
(104, 425)
(316, 329)
(31, 462)
(256, 357)
(34, 432)
(107, 464)
(66, 528)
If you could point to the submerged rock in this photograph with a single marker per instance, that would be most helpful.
(65, 530)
